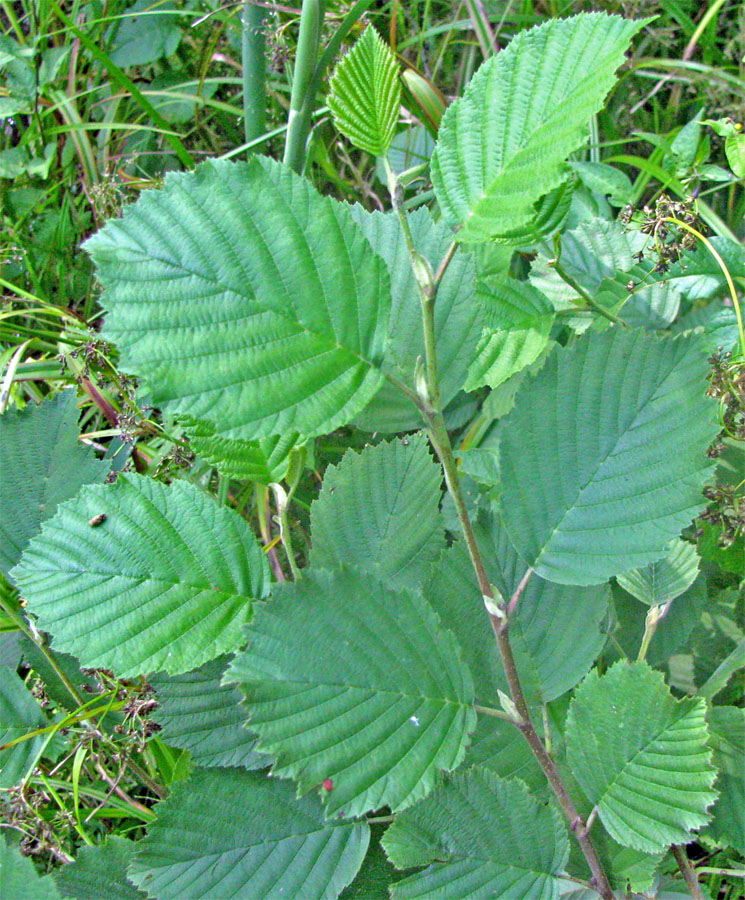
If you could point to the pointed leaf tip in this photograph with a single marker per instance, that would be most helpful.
(366, 94)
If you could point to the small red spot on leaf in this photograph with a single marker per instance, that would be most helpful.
(328, 784)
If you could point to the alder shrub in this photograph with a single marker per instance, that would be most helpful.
(421, 709)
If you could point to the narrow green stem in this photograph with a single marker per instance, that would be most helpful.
(585, 295)
(686, 870)
(650, 626)
(285, 533)
(32, 635)
(254, 70)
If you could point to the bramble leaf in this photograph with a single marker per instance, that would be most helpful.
(42, 463)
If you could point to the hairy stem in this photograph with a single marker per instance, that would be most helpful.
(430, 407)
(687, 871)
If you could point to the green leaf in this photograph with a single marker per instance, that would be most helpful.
(100, 873)
(145, 33)
(457, 325)
(666, 578)
(243, 298)
(604, 456)
(200, 715)
(479, 836)
(503, 144)
(718, 323)
(19, 714)
(231, 833)
(265, 461)
(165, 582)
(379, 511)
(734, 149)
(376, 874)
(348, 680)
(641, 756)
(42, 463)
(727, 726)
(517, 322)
(365, 94)
(19, 878)
(604, 179)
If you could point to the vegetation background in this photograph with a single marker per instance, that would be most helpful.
(100, 99)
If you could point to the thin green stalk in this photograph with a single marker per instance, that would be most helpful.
(654, 615)
(283, 501)
(589, 300)
(306, 58)
(254, 70)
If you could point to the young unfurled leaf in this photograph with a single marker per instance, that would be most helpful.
(366, 94)
(517, 320)
(641, 756)
(666, 578)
